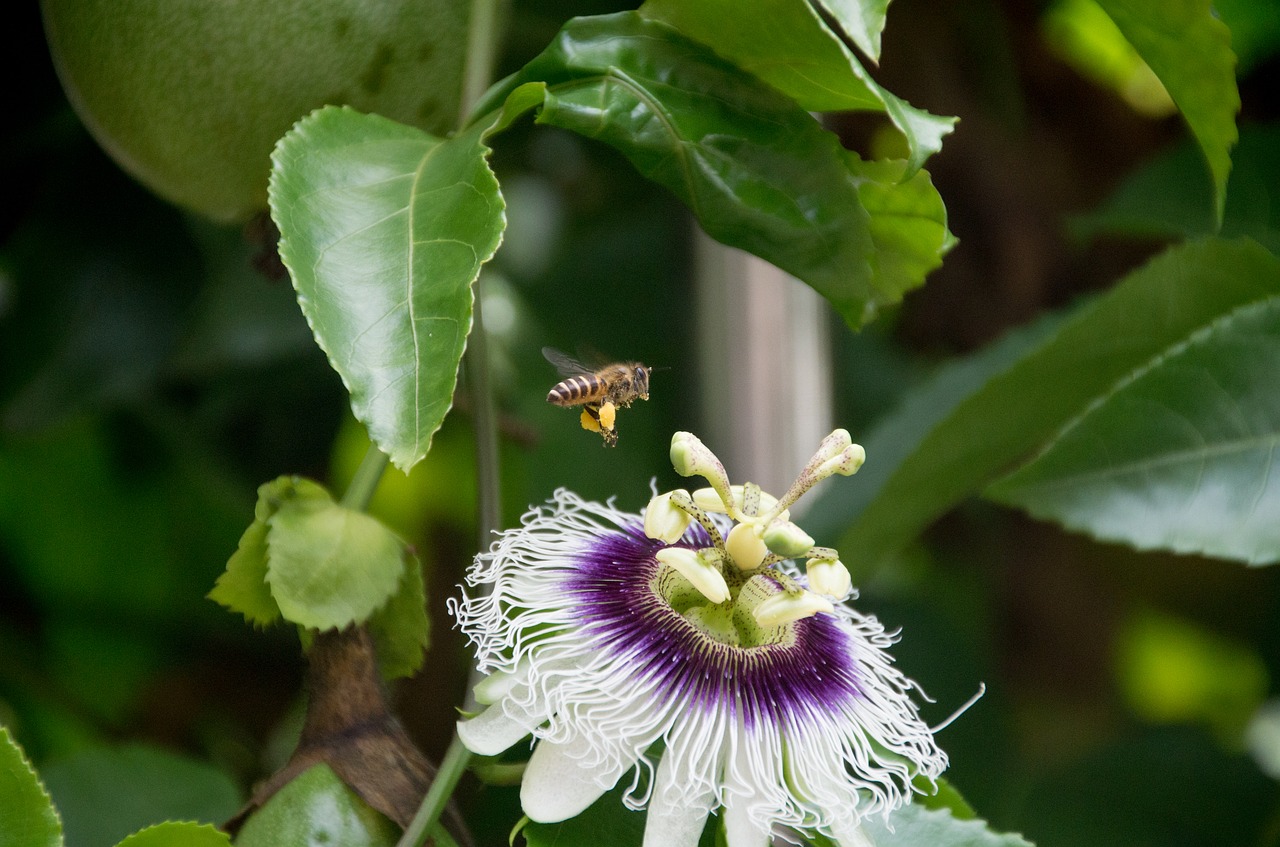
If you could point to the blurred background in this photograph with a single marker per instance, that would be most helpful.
(152, 376)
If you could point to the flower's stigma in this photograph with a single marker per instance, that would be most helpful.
(695, 567)
(663, 520)
(836, 454)
(750, 500)
(690, 457)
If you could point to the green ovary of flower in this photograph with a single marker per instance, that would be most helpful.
(734, 622)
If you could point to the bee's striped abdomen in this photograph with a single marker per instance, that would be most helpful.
(575, 390)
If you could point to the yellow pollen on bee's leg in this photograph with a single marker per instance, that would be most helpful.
(608, 414)
(589, 421)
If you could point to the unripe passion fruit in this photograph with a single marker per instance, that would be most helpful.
(190, 95)
(317, 808)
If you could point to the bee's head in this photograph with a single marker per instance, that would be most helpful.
(641, 376)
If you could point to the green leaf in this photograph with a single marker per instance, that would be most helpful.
(1181, 456)
(861, 20)
(1172, 196)
(913, 825)
(944, 796)
(106, 794)
(1255, 31)
(1158, 786)
(401, 627)
(243, 587)
(329, 566)
(908, 223)
(893, 439)
(1190, 51)
(786, 44)
(178, 834)
(756, 169)
(1003, 413)
(384, 229)
(27, 815)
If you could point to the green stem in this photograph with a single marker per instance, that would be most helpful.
(366, 480)
(482, 45)
(484, 417)
(482, 41)
(451, 770)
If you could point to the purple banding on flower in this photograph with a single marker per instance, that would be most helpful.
(810, 670)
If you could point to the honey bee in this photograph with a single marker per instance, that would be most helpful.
(600, 391)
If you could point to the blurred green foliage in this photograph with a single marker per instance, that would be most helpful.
(151, 379)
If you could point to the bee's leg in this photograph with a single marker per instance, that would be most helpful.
(607, 414)
(590, 418)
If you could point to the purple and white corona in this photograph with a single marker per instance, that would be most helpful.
(684, 646)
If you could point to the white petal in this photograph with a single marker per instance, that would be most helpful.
(739, 829)
(493, 731)
(675, 818)
(853, 837)
(558, 785)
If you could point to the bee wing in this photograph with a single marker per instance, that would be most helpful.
(565, 364)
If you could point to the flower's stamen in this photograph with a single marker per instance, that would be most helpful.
(828, 576)
(836, 454)
(690, 457)
(785, 539)
(750, 500)
(771, 607)
(786, 608)
(699, 568)
(664, 521)
(681, 500)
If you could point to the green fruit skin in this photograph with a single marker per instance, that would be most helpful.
(189, 96)
(317, 810)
